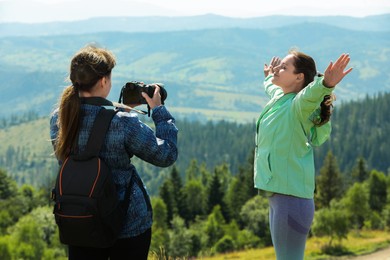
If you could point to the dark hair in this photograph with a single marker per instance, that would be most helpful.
(325, 113)
(305, 64)
(87, 67)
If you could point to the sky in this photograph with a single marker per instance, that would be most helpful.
(37, 11)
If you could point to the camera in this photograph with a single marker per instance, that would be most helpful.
(131, 92)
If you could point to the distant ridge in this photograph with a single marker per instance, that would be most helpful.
(211, 73)
(377, 23)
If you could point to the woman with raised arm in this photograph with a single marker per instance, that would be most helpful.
(295, 118)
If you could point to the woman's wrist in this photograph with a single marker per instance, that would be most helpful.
(326, 84)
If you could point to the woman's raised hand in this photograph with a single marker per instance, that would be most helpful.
(155, 101)
(269, 69)
(334, 73)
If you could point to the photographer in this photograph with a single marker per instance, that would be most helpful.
(70, 126)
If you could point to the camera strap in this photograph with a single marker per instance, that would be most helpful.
(99, 101)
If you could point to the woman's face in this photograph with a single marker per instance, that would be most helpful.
(285, 77)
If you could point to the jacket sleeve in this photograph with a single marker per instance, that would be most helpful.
(270, 89)
(158, 148)
(54, 127)
(310, 98)
(319, 134)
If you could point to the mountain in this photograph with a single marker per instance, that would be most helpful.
(208, 73)
(359, 129)
(378, 23)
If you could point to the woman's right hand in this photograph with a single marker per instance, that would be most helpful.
(269, 69)
(155, 101)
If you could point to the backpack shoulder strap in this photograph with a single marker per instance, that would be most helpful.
(98, 133)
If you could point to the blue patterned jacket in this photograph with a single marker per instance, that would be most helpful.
(128, 136)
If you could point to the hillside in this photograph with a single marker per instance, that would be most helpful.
(214, 74)
(359, 130)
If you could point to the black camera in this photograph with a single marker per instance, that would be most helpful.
(131, 92)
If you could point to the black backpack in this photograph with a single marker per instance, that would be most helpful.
(87, 210)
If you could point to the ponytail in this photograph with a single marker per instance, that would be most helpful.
(305, 64)
(326, 110)
(68, 121)
(87, 66)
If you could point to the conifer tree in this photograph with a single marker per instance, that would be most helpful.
(192, 171)
(360, 172)
(167, 195)
(8, 187)
(178, 191)
(329, 182)
(241, 189)
(160, 213)
(205, 175)
(215, 193)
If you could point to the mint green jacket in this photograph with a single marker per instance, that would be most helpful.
(284, 160)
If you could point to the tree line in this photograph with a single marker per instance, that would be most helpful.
(205, 205)
(359, 130)
(216, 212)
(208, 212)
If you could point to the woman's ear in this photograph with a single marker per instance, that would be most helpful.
(300, 78)
(104, 82)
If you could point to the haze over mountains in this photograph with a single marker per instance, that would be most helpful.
(378, 23)
(211, 65)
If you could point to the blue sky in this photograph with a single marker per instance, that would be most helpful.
(33, 11)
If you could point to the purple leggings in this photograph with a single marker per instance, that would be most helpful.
(290, 221)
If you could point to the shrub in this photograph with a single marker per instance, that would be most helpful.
(225, 244)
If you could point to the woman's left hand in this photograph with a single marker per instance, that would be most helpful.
(155, 101)
(334, 73)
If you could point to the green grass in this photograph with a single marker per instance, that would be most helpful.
(361, 243)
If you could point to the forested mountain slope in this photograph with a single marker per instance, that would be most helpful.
(360, 129)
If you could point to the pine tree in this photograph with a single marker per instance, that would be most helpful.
(178, 191)
(159, 213)
(241, 189)
(167, 195)
(192, 171)
(215, 193)
(329, 182)
(360, 172)
(8, 187)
